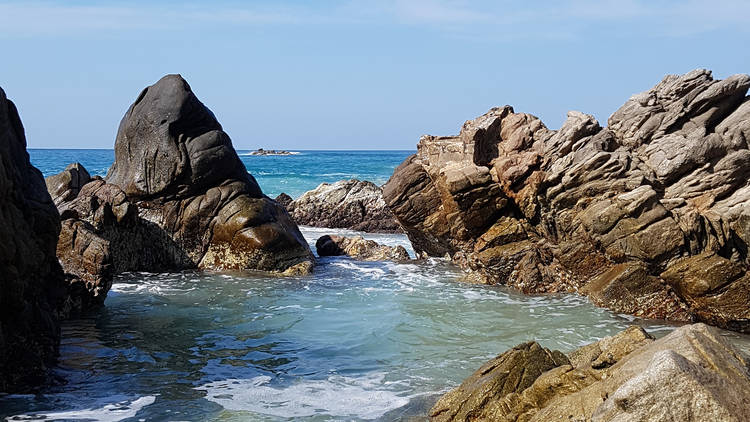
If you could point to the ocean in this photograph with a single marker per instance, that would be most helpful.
(353, 341)
(291, 174)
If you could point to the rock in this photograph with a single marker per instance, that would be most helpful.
(65, 186)
(32, 282)
(284, 200)
(692, 374)
(648, 216)
(508, 374)
(261, 151)
(359, 248)
(87, 257)
(346, 204)
(174, 162)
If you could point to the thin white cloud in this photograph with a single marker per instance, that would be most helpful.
(496, 20)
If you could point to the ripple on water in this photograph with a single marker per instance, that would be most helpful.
(353, 341)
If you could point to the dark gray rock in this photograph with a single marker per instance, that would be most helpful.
(31, 280)
(174, 162)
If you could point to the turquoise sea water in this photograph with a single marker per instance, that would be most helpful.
(292, 174)
(353, 341)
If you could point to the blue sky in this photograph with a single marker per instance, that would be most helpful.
(352, 74)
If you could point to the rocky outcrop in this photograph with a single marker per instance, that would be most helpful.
(692, 374)
(31, 280)
(64, 186)
(648, 216)
(346, 204)
(359, 248)
(284, 200)
(174, 162)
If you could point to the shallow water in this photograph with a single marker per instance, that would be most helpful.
(353, 341)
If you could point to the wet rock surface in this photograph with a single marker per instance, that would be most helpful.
(31, 281)
(359, 248)
(178, 196)
(347, 204)
(692, 374)
(648, 216)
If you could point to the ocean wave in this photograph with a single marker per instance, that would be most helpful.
(367, 397)
(111, 412)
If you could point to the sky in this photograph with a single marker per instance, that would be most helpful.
(352, 74)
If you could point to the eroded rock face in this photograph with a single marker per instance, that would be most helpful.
(174, 162)
(359, 248)
(692, 374)
(31, 280)
(648, 216)
(346, 204)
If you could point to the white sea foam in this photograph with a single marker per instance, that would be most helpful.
(365, 398)
(110, 412)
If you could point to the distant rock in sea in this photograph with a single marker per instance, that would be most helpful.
(691, 375)
(359, 248)
(648, 216)
(31, 281)
(347, 204)
(261, 151)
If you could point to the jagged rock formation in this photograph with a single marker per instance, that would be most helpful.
(346, 204)
(176, 164)
(693, 374)
(649, 216)
(31, 280)
(359, 248)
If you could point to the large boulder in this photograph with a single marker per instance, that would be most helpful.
(692, 374)
(31, 280)
(177, 166)
(648, 216)
(346, 204)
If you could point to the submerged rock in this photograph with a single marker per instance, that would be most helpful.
(692, 374)
(346, 204)
(359, 248)
(177, 165)
(31, 280)
(647, 216)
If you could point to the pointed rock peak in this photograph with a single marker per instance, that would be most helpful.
(169, 144)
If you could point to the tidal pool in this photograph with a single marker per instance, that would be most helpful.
(353, 341)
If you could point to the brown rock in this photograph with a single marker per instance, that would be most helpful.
(65, 186)
(606, 212)
(359, 248)
(508, 374)
(692, 374)
(347, 204)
